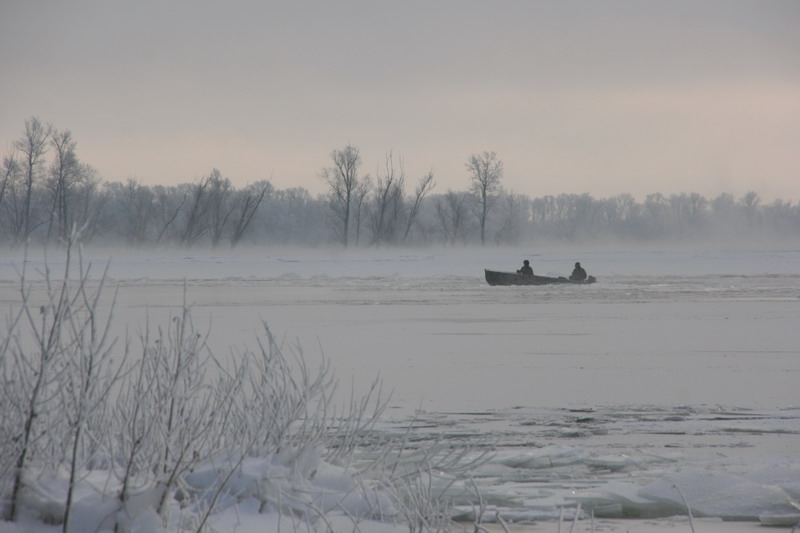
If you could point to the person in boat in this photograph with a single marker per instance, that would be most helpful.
(526, 269)
(578, 273)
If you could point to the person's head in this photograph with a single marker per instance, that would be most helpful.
(577, 265)
(526, 262)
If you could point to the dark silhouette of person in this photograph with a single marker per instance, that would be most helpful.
(526, 269)
(578, 273)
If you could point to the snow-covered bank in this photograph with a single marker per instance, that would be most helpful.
(678, 370)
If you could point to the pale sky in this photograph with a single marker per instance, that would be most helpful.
(603, 97)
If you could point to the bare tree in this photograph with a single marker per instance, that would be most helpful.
(65, 172)
(342, 180)
(10, 176)
(657, 215)
(30, 382)
(689, 211)
(90, 373)
(194, 226)
(359, 195)
(486, 172)
(186, 403)
(246, 205)
(219, 205)
(514, 212)
(618, 214)
(424, 186)
(451, 211)
(137, 204)
(168, 204)
(33, 146)
(750, 202)
(9, 170)
(386, 201)
(293, 216)
(134, 413)
(88, 203)
(723, 211)
(56, 387)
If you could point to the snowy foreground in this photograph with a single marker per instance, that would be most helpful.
(670, 383)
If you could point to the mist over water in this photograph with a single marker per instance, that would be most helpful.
(660, 326)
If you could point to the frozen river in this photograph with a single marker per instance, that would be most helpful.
(673, 364)
(663, 328)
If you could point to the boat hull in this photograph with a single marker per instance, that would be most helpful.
(493, 277)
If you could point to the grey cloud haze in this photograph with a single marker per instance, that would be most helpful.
(598, 97)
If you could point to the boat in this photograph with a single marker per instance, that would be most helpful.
(493, 277)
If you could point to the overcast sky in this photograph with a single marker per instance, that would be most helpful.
(604, 97)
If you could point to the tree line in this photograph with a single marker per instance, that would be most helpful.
(46, 190)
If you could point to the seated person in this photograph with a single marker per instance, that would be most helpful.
(526, 269)
(578, 274)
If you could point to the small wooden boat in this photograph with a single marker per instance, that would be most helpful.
(494, 277)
